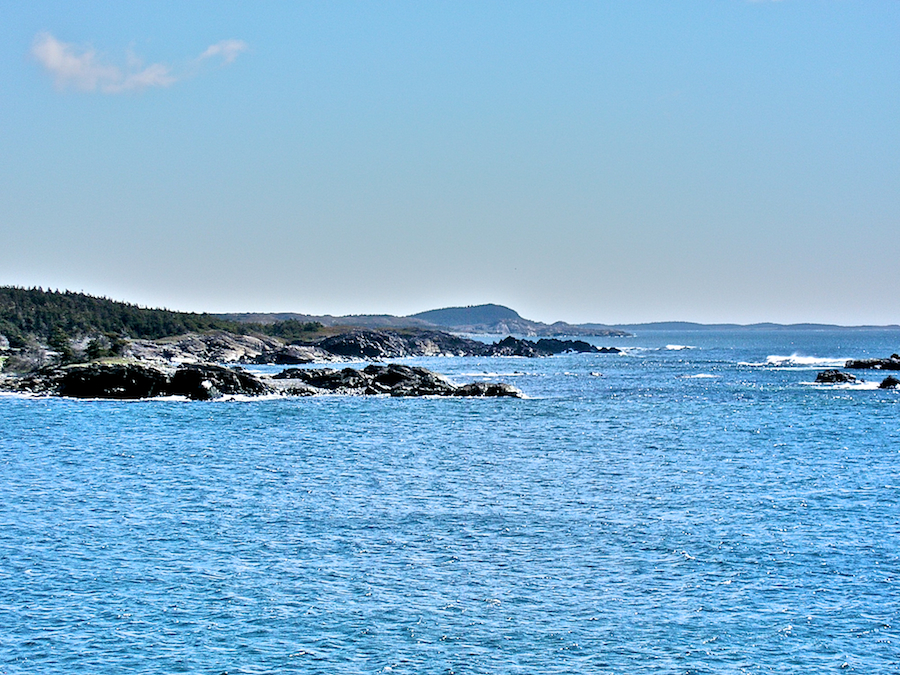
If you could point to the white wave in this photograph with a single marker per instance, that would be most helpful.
(678, 348)
(698, 376)
(515, 373)
(21, 394)
(859, 384)
(798, 361)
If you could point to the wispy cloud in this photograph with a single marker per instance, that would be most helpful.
(229, 50)
(82, 69)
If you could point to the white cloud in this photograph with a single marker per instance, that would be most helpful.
(155, 75)
(69, 68)
(227, 49)
(80, 67)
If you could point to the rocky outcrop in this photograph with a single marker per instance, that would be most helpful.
(214, 347)
(224, 347)
(202, 382)
(372, 345)
(125, 381)
(199, 382)
(392, 379)
(366, 344)
(511, 346)
(890, 382)
(892, 363)
(834, 377)
(380, 345)
(386, 344)
(487, 389)
(291, 355)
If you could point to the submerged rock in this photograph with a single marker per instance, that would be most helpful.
(834, 377)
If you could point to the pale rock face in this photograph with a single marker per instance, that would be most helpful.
(193, 348)
(224, 348)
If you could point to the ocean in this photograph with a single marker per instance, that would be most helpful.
(694, 505)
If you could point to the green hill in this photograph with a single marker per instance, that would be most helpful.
(468, 316)
(35, 314)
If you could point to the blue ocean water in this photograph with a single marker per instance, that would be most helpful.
(693, 506)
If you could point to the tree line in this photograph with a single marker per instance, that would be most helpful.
(57, 316)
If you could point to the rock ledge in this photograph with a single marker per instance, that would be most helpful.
(205, 381)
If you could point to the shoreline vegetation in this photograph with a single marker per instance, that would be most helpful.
(72, 344)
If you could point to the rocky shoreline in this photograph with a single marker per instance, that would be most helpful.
(203, 382)
(196, 366)
(355, 345)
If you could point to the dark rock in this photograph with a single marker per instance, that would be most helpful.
(288, 355)
(889, 382)
(385, 344)
(834, 377)
(135, 381)
(366, 344)
(201, 382)
(555, 346)
(295, 373)
(400, 380)
(125, 381)
(97, 380)
(393, 379)
(511, 346)
(892, 363)
(488, 389)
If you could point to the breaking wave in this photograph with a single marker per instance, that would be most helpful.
(798, 361)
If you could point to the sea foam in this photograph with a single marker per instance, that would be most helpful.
(798, 361)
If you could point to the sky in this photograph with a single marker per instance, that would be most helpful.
(610, 162)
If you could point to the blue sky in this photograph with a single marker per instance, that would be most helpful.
(579, 161)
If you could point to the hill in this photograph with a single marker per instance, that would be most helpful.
(33, 314)
(468, 316)
(477, 320)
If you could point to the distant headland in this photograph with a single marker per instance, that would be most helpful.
(472, 320)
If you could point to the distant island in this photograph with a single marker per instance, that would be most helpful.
(472, 320)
